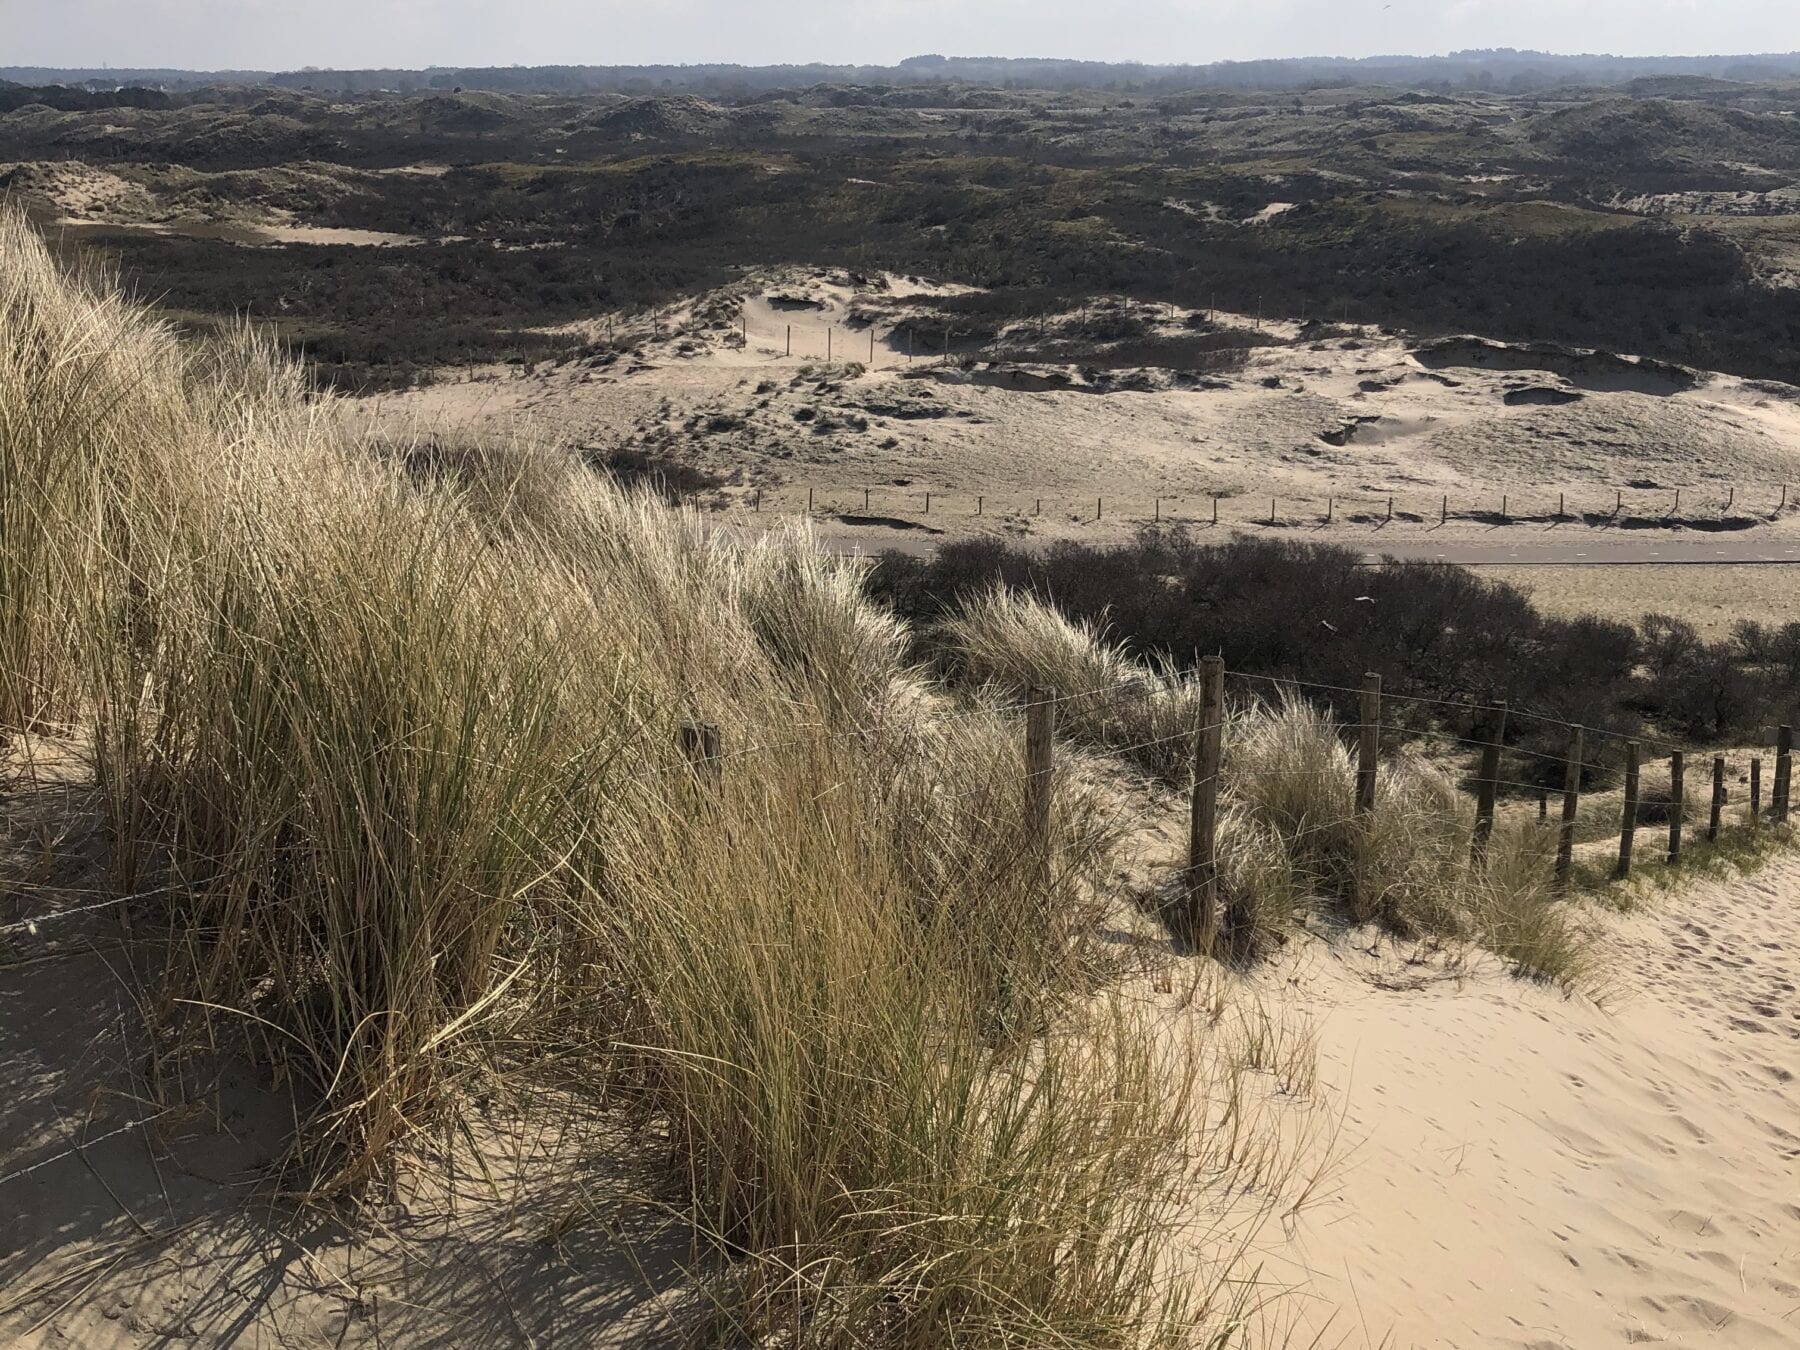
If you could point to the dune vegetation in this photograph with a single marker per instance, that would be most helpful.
(397, 746)
(391, 744)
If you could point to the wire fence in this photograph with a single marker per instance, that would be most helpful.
(1710, 509)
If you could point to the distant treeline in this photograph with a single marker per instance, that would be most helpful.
(1501, 68)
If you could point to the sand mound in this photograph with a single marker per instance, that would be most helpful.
(1601, 372)
(662, 119)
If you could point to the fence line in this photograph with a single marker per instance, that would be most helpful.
(1728, 508)
(702, 754)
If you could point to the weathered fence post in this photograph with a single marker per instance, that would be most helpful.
(1203, 825)
(1756, 790)
(809, 501)
(1489, 786)
(1368, 744)
(1784, 772)
(1677, 803)
(700, 742)
(1628, 826)
(1271, 510)
(865, 499)
(1444, 511)
(1718, 800)
(1571, 807)
(980, 504)
(1099, 508)
(1215, 519)
(1330, 508)
(1040, 778)
(928, 503)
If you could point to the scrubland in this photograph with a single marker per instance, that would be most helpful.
(382, 748)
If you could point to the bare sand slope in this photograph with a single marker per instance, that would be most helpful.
(1525, 1170)
(1328, 422)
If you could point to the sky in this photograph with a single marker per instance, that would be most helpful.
(288, 34)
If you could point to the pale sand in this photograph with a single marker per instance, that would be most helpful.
(1713, 599)
(1527, 1170)
(1042, 453)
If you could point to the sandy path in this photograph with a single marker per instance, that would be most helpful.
(1525, 1170)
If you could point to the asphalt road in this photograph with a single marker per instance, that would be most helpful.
(1588, 551)
(1578, 548)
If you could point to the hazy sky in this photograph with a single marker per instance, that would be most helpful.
(285, 34)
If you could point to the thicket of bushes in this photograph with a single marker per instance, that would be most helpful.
(1311, 612)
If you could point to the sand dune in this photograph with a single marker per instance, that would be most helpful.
(1522, 1169)
(1333, 423)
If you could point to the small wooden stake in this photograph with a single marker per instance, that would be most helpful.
(1571, 806)
(1099, 508)
(1756, 791)
(1203, 824)
(1489, 786)
(1444, 513)
(980, 504)
(700, 742)
(1628, 826)
(1215, 508)
(1368, 744)
(1040, 777)
(809, 501)
(1718, 800)
(1677, 803)
(1784, 773)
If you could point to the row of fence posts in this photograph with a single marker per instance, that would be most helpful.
(701, 745)
(1274, 516)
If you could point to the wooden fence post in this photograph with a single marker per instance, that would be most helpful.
(1628, 826)
(1368, 744)
(1490, 780)
(1444, 512)
(1203, 825)
(1718, 800)
(1784, 773)
(1040, 778)
(809, 501)
(865, 499)
(980, 504)
(1099, 508)
(1571, 806)
(1677, 803)
(1215, 508)
(700, 743)
(1756, 790)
